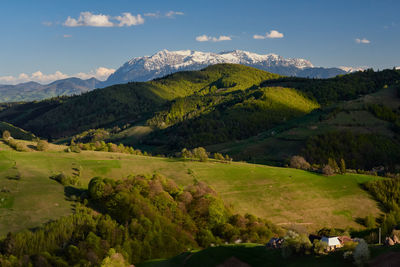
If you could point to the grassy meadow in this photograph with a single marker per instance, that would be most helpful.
(283, 195)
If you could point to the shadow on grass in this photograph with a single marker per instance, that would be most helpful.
(381, 206)
(73, 193)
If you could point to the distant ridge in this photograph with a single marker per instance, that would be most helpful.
(166, 62)
(31, 91)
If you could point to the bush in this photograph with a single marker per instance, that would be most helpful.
(361, 253)
(295, 244)
(42, 145)
(320, 248)
(327, 170)
(6, 135)
(200, 153)
(299, 162)
(66, 180)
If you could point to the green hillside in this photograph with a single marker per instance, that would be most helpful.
(15, 131)
(283, 195)
(355, 121)
(230, 116)
(130, 103)
(247, 113)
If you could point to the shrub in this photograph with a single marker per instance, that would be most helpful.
(186, 154)
(219, 156)
(66, 180)
(200, 153)
(295, 243)
(320, 248)
(327, 170)
(299, 162)
(42, 145)
(361, 253)
(6, 135)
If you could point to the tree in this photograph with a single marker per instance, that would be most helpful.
(370, 222)
(6, 135)
(200, 153)
(42, 145)
(327, 170)
(186, 154)
(219, 156)
(299, 162)
(342, 166)
(333, 164)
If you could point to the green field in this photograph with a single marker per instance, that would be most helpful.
(283, 195)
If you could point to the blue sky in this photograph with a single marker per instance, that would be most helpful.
(38, 36)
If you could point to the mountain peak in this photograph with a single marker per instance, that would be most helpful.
(166, 62)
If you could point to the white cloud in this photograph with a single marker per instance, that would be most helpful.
(169, 14)
(101, 20)
(67, 35)
(259, 37)
(273, 34)
(153, 15)
(47, 23)
(362, 41)
(205, 38)
(172, 14)
(100, 73)
(127, 19)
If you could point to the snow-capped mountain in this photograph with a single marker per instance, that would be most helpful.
(166, 62)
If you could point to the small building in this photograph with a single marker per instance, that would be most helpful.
(333, 242)
(344, 239)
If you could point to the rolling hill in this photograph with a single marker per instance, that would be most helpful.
(251, 114)
(354, 119)
(282, 195)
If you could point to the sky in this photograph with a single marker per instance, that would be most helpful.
(45, 40)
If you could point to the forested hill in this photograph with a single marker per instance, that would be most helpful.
(127, 103)
(223, 103)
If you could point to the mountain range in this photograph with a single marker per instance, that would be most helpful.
(166, 62)
(30, 91)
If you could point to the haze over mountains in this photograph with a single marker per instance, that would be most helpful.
(165, 62)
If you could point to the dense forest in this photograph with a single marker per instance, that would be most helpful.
(137, 218)
(360, 151)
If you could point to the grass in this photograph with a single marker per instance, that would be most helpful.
(283, 195)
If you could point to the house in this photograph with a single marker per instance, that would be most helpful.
(344, 239)
(333, 242)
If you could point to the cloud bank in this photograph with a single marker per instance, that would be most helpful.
(101, 74)
(273, 34)
(205, 38)
(362, 41)
(100, 20)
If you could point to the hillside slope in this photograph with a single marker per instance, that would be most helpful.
(345, 124)
(126, 103)
(282, 195)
